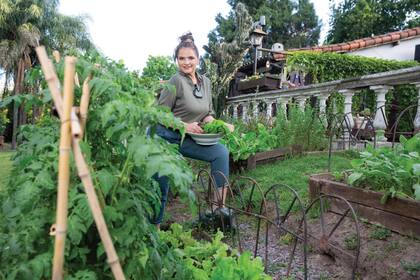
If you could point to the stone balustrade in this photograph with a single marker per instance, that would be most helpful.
(380, 83)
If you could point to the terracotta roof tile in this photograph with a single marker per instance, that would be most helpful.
(363, 42)
(412, 32)
(369, 42)
(404, 34)
(386, 38)
(395, 37)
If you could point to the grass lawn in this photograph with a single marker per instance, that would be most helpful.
(295, 172)
(5, 168)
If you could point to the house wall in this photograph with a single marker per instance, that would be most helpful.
(403, 51)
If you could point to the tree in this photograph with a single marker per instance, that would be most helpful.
(354, 19)
(292, 23)
(23, 25)
(224, 58)
(158, 68)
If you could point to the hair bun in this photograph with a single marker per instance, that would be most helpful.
(187, 37)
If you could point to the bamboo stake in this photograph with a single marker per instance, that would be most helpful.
(63, 170)
(84, 104)
(53, 83)
(84, 175)
(54, 86)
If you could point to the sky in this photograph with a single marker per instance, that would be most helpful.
(132, 30)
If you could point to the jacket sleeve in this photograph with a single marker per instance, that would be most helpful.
(168, 94)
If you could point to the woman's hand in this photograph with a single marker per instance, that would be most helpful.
(208, 119)
(193, 128)
(231, 127)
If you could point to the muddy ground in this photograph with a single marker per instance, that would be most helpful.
(383, 254)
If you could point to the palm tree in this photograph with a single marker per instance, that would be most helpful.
(26, 23)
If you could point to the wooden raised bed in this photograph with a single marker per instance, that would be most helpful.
(259, 158)
(397, 214)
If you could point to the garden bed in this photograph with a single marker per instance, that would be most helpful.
(398, 214)
(259, 158)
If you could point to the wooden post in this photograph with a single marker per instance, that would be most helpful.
(84, 104)
(84, 175)
(54, 86)
(63, 170)
(83, 170)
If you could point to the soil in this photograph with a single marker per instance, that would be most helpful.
(383, 254)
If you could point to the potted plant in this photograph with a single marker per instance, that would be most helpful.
(3, 123)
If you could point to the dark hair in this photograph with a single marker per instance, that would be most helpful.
(186, 41)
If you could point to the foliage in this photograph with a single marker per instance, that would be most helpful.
(216, 126)
(380, 233)
(292, 23)
(411, 268)
(6, 168)
(324, 67)
(245, 141)
(355, 19)
(224, 58)
(122, 158)
(158, 68)
(396, 173)
(26, 24)
(350, 241)
(209, 260)
(3, 120)
(300, 128)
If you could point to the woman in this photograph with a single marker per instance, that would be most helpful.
(192, 103)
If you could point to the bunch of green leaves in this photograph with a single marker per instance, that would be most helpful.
(248, 139)
(122, 158)
(3, 120)
(395, 172)
(300, 127)
(216, 126)
(209, 260)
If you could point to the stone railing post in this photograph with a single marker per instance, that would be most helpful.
(301, 100)
(245, 111)
(322, 103)
(380, 118)
(348, 95)
(269, 103)
(255, 107)
(282, 105)
(416, 121)
(235, 110)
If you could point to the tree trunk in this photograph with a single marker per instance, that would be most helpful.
(18, 89)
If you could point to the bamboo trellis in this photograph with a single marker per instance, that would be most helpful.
(71, 131)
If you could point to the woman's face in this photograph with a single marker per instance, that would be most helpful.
(187, 60)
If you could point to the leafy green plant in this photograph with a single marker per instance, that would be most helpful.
(122, 158)
(396, 173)
(411, 268)
(3, 120)
(350, 241)
(380, 233)
(209, 260)
(216, 126)
(300, 128)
